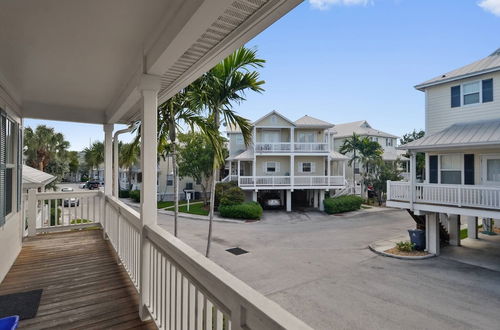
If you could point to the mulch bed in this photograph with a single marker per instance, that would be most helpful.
(414, 253)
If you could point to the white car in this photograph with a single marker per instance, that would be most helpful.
(82, 185)
(72, 201)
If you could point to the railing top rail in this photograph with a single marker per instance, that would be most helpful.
(456, 186)
(66, 194)
(228, 288)
(128, 213)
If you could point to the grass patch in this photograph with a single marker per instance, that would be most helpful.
(79, 221)
(194, 209)
(463, 232)
(162, 205)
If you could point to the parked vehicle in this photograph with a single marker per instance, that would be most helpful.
(83, 185)
(72, 201)
(271, 200)
(91, 185)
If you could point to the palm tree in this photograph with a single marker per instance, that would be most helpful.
(216, 92)
(352, 145)
(128, 156)
(94, 155)
(44, 145)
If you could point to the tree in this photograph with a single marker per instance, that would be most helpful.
(73, 164)
(94, 155)
(128, 155)
(380, 174)
(43, 145)
(420, 156)
(216, 92)
(352, 145)
(196, 157)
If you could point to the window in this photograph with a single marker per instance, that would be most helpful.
(170, 180)
(307, 167)
(493, 170)
(473, 92)
(388, 142)
(9, 167)
(189, 186)
(271, 136)
(271, 167)
(306, 137)
(374, 138)
(239, 139)
(451, 169)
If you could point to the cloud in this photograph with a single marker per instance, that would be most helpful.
(493, 6)
(325, 4)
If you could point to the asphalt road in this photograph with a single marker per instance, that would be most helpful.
(319, 267)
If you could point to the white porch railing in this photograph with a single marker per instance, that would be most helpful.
(276, 181)
(273, 147)
(405, 176)
(319, 181)
(455, 195)
(311, 147)
(179, 288)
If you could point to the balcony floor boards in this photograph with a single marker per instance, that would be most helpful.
(83, 286)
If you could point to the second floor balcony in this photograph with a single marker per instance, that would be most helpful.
(288, 147)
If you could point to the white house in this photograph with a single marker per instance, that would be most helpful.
(294, 159)
(462, 148)
(110, 62)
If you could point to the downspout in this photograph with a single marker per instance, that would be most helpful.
(116, 179)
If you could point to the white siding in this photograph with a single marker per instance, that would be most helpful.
(440, 115)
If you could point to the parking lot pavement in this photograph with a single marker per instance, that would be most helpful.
(319, 267)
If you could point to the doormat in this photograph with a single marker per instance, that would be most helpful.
(237, 251)
(24, 304)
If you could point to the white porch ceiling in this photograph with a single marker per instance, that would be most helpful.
(81, 61)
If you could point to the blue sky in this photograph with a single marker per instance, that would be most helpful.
(347, 60)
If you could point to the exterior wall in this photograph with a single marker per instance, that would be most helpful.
(234, 147)
(277, 122)
(284, 165)
(12, 231)
(319, 136)
(439, 114)
(284, 134)
(165, 168)
(318, 160)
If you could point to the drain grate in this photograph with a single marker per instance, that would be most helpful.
(237, 251)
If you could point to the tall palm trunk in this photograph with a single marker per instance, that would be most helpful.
(212, 193)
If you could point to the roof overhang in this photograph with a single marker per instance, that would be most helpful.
(423, 86)
(453, 146)
(85, 61)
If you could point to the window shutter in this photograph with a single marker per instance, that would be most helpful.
(469, 169)
(3, 121)
(433, 169)
(19, 166)
(313, 167)
(301, 167)
(487, 90)
(455, 96)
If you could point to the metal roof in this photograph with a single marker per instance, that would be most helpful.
(488, 64)
(33, 178)
(479, 133)
(308, 121)
(338, 156)
(245, 155)
(360, 128)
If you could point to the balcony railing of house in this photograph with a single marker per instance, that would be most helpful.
(311, 147)
(405, 176)
(178, 286)
(280, 181)
(273, 147)
(475, 196)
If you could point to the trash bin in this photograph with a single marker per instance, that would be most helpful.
(417, 237)
(9, 323)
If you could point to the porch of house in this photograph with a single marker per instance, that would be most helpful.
(83, 285)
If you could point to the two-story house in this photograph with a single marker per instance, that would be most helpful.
(387, 141)
(294, 159)
(462, 148)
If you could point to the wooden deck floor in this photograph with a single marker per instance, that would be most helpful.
(83, 287)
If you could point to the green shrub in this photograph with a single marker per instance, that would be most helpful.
(405, 246)
(342, 204)
(232, 196)
(53, 213)
(124, 193)
(248, 210)
(220, 188)
(135, 195)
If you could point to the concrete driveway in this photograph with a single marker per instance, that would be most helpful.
(319, 268)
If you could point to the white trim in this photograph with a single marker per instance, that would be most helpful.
(483, 169)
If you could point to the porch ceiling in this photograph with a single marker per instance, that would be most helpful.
(83, 60)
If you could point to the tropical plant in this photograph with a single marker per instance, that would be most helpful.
(94, 156)
(342, 204)
(405, 246)
(73, 164)
(43, 145)
(216, 92)
(248, 210)
(420, 156)
(129, 155)
(381, 173)
(352, 145)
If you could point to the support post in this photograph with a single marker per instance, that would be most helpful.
(292, 170)
(149, 129)
(108, 159)
(413, 176)
(315, 199)
(254, 195)
(321, 200)
(471, 227)
(289, 200)
(454, 229)
(32, 212)
(432, 233)
(230, 169)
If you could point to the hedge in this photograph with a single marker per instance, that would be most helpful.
(135, 195)
(342, 204)
(248, 210)
(232, 196)
(220, 188)
(124, 193)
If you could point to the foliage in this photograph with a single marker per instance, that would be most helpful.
(232, 196)
(342, 204)
(84, 178)
(420, 156)
(380, 174)
(94, 155)
(248, 210)
(128, 156)
(135, 195)
(220, 188)
(405, 246)
(53, 213)
(124, 193)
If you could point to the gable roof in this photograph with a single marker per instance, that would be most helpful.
(308, 121)
(360, 127)
(478, 133)
(488, 64)
(274, 112)
(33, 178)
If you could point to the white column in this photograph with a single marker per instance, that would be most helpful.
(108, 159)
(471, 227)
(321, 199)
(292, 170)
(289, 200)
(239, 168)
(315, 199)
(413, 169)
(292, 139)
(32, 212)
(230, 169)
(254, 195)
(454, 229)
(427, 170)
(149, 143)
(432, 233)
